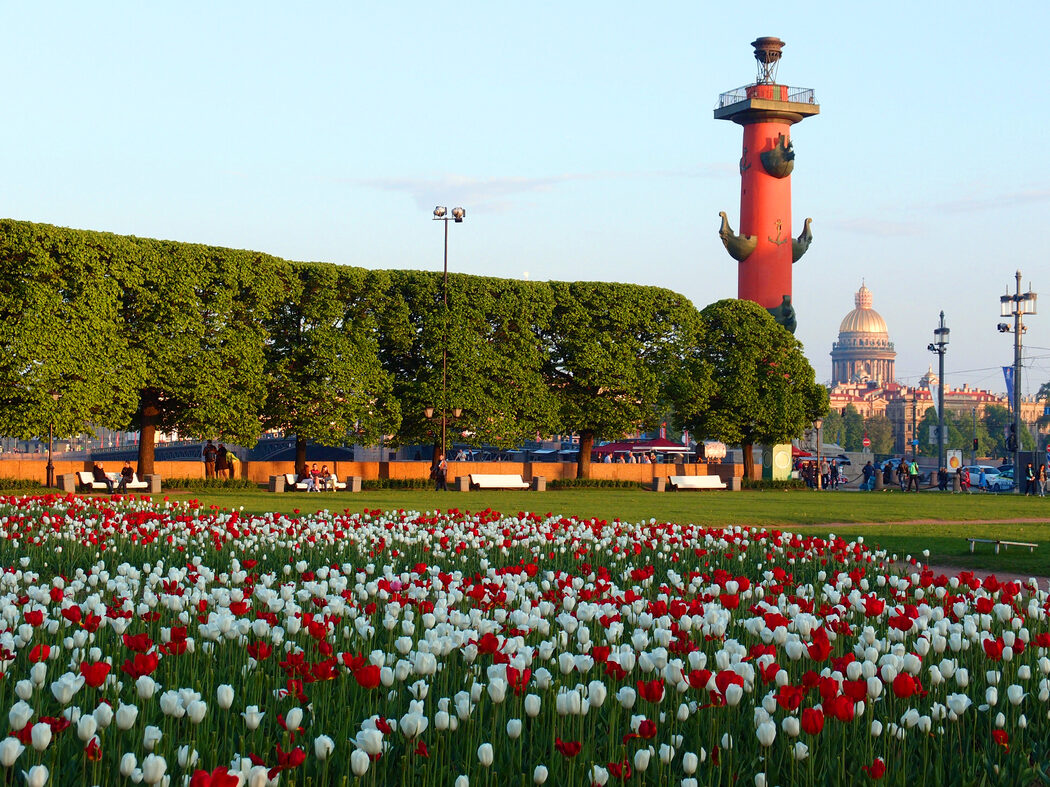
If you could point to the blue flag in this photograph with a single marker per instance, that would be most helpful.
(1008, 373)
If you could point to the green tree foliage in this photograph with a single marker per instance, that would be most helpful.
(853, 429)
(767, 392)
(59, 333)
(997, 421)
(879, 429)
(193, 318)
(833, 429)
(324, 378)
(612, 350)
(493, 363)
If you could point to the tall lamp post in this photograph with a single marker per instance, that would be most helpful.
(1016, 306)
(940, 346)
(819, 423)
(441, 213)
(55, 395)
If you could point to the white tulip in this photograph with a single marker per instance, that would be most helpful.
(86, 728)
(151, 737)
(252, 717)
(532, 705)
(462, 781)
(991, 695)
(153, 768)
(294, 719)
(19, 715)
(514, 728)
(734, 694)
(801, 751)
(145, 687)
(187, 756)
(641, 760)
(224, 696)
(766, 733)
(485, 754)
(358, 762)
(126, 716)
(103, 715)
(666, 753)
(37, 776)
(1015, 694)
(10, 749)
(41, 736)
(128, 764)
(323, 747)
(539, 774)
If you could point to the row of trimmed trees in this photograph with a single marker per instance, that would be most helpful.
(126, 332)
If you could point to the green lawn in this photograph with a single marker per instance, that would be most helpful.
(958, 516)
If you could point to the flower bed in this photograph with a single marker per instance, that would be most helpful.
(149, 642)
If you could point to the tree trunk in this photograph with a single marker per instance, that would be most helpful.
(583, 462)
(149, 415)
(300, 454)
(749, 461)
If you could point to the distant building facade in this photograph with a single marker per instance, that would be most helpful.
(862, 375)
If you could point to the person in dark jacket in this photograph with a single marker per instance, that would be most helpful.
(127, 475)
(99, 474)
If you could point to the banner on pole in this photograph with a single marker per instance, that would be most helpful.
(1008, 374)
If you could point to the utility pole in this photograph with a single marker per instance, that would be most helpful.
(1016, 306)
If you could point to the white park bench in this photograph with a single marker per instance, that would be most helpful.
(291, 485)
(999, 542)
(86, 481)
(494, 481)
(680, 482)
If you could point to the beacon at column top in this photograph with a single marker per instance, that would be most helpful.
(765, 99)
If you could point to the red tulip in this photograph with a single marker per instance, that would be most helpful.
(93, 751)
(220, 777)
(1001, 738)
(567, 748)
(877, 769)
(993, 648)
(39, 653)
(904, 685)
(139, 642)
(94, 674)
(653, 690)
(367, 677)
(647, 729)
(812, 721)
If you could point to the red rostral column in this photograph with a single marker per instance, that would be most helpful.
(764, 248)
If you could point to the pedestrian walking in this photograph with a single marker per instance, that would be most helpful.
(1041, 480)
(913, 475)
(869, 477)
(1029, 480)
(209, 453)
(440, 474)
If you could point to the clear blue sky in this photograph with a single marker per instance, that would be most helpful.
(579, 137)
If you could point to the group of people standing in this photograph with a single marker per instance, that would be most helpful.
(219, 462)
(830, 476)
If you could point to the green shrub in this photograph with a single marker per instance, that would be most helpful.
(193, 484)
(794, 483)
(19, 483)
(399, 483)
(593, 483)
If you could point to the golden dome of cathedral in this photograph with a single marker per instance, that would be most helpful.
(863, 319)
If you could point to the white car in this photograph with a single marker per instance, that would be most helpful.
(990, 474)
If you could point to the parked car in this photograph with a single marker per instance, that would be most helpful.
(990, 473)
(1003, 482)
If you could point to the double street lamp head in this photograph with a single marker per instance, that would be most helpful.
(441, 214)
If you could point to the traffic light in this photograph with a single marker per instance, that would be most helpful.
(975, 444)
(1011, 440)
